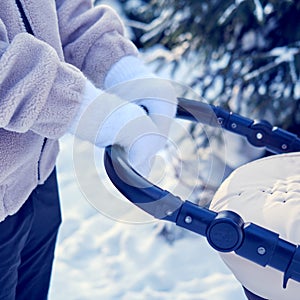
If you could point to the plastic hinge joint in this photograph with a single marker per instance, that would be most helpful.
(223, 230)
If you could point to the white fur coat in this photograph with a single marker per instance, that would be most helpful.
(41, 82)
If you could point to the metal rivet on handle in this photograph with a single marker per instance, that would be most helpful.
(259, 136)
(261, 250)
(188, 219)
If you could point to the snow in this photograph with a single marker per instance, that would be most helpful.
(249, 40)
(259, 11)
(229, 11)
(215, 89)
(284, 54)
(100, 258)
(297, 90)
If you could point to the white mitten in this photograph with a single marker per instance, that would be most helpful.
(132, 81)
(105, 119)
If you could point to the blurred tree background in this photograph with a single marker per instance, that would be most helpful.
(245, 53)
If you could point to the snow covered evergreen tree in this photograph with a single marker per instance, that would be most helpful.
(244, 55)
(245, 52)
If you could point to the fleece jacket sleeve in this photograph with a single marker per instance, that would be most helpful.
(38, 92)
(92, 37)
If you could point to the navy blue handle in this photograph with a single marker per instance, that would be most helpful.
(225, 230)
(259, 133)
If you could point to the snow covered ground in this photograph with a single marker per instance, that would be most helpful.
(100, 258)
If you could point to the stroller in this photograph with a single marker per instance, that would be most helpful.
(225, 230)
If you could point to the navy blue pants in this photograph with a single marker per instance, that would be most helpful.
(27, 242)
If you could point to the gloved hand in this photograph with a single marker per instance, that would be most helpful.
(132, 81)
(105, 119)
(157, 97)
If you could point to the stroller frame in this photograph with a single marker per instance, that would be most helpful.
(225, 230)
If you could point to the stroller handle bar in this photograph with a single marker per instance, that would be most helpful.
(225, 230)
(258, 133)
